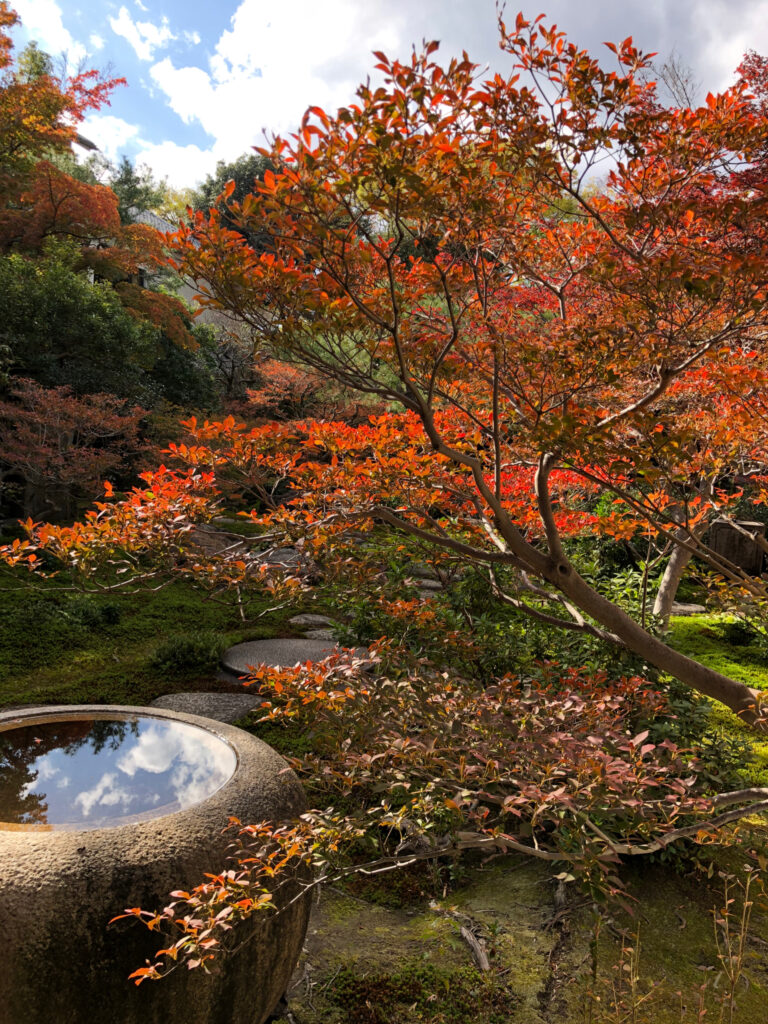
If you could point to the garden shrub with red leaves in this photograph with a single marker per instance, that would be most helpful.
(424, 765)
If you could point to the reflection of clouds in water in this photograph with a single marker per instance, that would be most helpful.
(45, 770)
(106, 793)
(153, 752)
(201, 762)
(155, 767)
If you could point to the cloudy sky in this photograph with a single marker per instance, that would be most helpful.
(206, 79)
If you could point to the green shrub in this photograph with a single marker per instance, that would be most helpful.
(187, 654)
(92, 613)
(738, 632)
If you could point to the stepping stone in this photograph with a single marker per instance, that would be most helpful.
(420, 571)
(287, 558)
(312, 621)
(282, 653)
(221, 707)
(319, 634)
(433, 585)
(213, 542)
(687, 609)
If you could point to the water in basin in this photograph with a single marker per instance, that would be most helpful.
(84, 772)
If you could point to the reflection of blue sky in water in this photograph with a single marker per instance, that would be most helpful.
(140, 767)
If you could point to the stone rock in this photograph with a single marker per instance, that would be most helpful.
(221, 707)
(211, 541)
(279, 653)
(319, 634)
(59, 888)
(432, 585)
(420, 571)
(285, 558)
(310, 620)
(679, 608)
(739, 543)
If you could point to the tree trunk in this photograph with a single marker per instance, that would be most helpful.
(670, 581)
(737, 696)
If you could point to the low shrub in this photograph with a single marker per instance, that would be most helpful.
(187, 654)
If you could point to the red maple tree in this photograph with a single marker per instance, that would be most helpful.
(549, 331)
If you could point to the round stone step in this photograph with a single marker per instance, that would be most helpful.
(681, 608)
(279, 558)
(279, 653)
(433, 585)
(312, 621)
(221, 707)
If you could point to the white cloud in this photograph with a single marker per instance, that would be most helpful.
(109, 133)
(96, 41)
(140, 5)
(183, 166)
(144, 36)
(43, 22)
(274, 62)
(201, 763)
(725, 40)
(45, 770)
(193, 38)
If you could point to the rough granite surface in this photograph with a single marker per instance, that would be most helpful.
(680, 608)
(284, 653)
(62, 960)
(221, 707)
(310, 620)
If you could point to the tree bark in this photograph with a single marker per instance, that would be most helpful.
(670, 581)
(742, 700)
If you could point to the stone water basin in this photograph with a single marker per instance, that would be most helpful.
(90, 772)
(107, 808)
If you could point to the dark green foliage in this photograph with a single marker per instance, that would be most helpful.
(738, 632)
(727, 760)
(61, 329)
(90, 612)
(186, 378)
(188, 654)
(243, 171)
(135, 188)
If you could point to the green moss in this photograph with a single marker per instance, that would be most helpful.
(365, 960)
(420, 991)
(677, 961)
(700, 637)
(61, 647)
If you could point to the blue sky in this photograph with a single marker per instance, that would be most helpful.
(206, 79)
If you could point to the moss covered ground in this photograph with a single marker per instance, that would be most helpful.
(365, 963)
(703, 638)
(63, 647)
